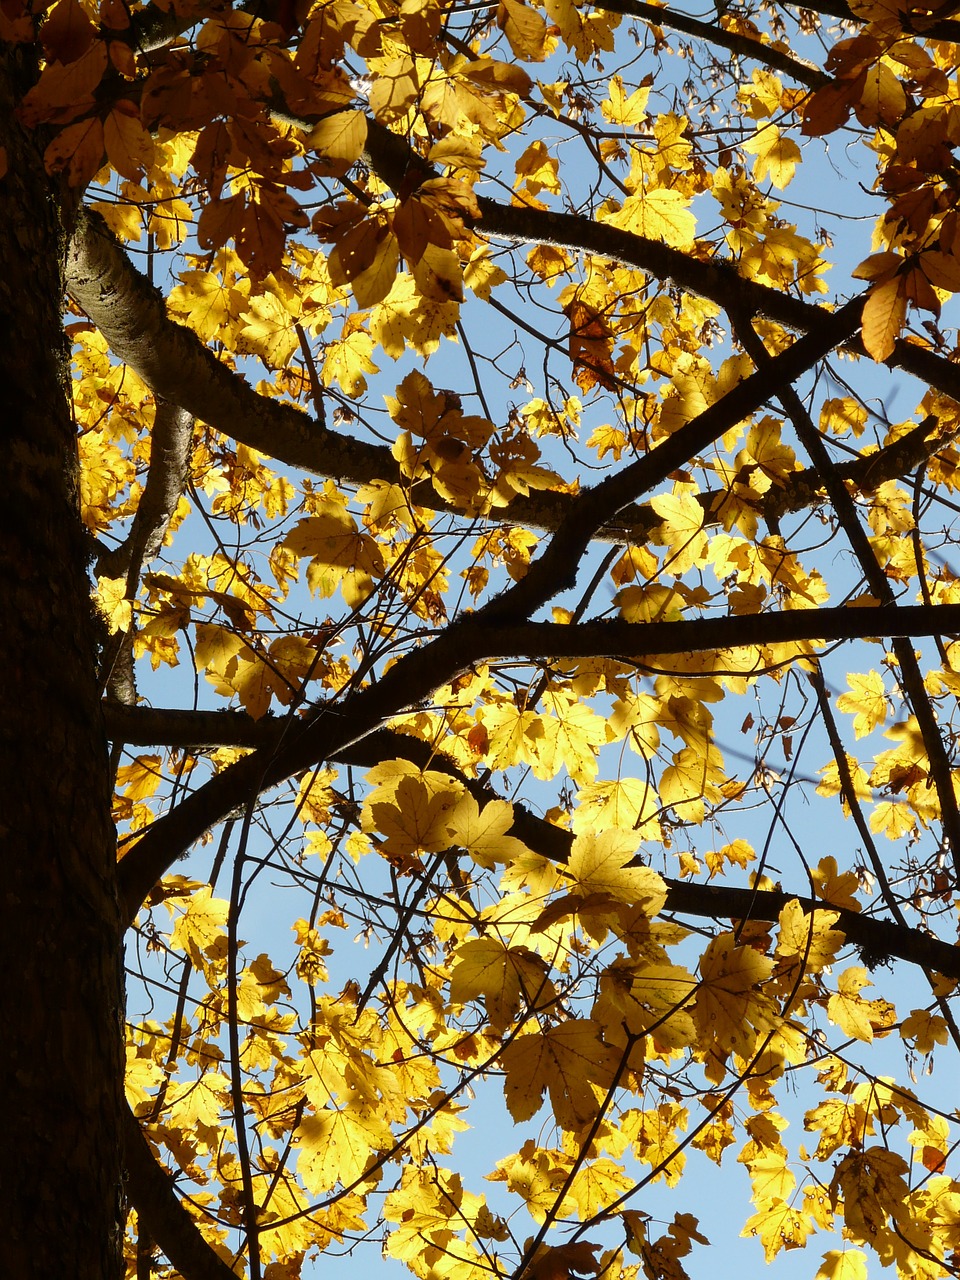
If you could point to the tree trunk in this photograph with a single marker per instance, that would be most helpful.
(61, 998)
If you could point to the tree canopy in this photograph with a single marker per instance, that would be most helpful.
(511, 450)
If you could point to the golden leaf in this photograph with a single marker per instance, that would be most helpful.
(658, 214)
(569, 1061)
(341, 136)
(524, 28)
(600, 863)
(884, 315)
(776, 157)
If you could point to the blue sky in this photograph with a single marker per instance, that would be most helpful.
(828, 193)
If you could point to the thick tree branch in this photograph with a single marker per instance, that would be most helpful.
(144, 726)
(711, 277)
(175, 364)
(867, 473)
(920, 24)
(632, 640)
(162, 1214)
(170, 443)
(880, 939)
(414, 677)
(714, 33)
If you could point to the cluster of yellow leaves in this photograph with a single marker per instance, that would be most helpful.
(561, 979)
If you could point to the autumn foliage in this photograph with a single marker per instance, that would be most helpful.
(517, 467)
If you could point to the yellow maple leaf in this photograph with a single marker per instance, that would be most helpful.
(893, 818)
(653, 1133)
(429, 1207)
(730, 1005)
(201, 929)
(867, 702)
(481, 275)
(414, 811)
(843, 1264)
(625, 804)
(658, 214)
(761, 98)
(765, 451)
(622, 107)
(599, 862)
(737, 853)
(340, 554)
(571, 737)
(503, 977)
(692, 778)
(537, 169)
(128, 144)
(650, 1000)
(850, 1013)
(417, 820)
(141, 1080)
(583, 31)
(337, 1146)
(535, 1175)
(194, 1105)
(776, 157)
(205, 302)
(873, 1187)
(597, 1184)
(569, 1061)
(681, 531)
(140, 780)
(925, 1029)
(405, 317)
(256, 682)
(809, 937)
(268, 330)
(771, 1180)
(372, 285)
(779, 1227)
(114, 603)
(483, 833)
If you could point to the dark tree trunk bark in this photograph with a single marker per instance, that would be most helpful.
(60, 971)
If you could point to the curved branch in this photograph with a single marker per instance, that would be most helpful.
(179, 368)
(415, 676)
(920, 25)
(175, 364)
(170, 443)
(162, 1214)
(713, 33)
(878, 938)
(711, 277)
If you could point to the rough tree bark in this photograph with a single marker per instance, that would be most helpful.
(61, 994)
